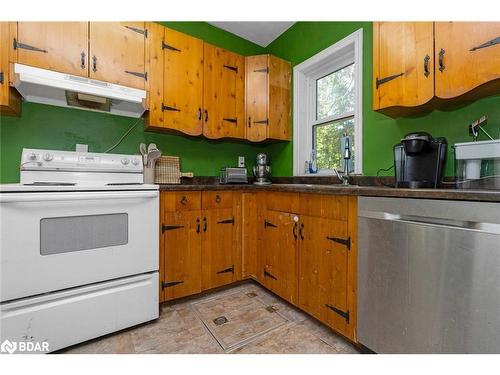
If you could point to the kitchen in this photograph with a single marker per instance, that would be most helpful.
(250, 187)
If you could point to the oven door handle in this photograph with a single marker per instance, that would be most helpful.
(73, 196)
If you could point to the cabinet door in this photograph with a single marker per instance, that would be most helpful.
(183, 82)
(257, 95)
(58, 46)
(323, 270)
(223, 93)
(467, 56)
(10, 101)
(403, 61)
(278, 254)
(217, 252)
(181, 254)
(279, 99)
(117, 53)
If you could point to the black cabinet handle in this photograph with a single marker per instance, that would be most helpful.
(184, 200)
(217, 198)
(206, 115)
(82, 60)
(198, 225)
(94, 64)
(301, 231)
(199, 113)
(294, 230)
(441, 60)
(427, 58)
(249, 122)
(204, 224)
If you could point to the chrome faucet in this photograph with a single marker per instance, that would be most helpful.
(344, 177)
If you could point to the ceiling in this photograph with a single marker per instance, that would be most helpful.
(261, 33)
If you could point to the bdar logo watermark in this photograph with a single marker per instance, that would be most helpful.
(24, 347)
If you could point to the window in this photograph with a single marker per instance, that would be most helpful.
(327, 94)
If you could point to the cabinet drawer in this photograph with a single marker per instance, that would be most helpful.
(326, 206)
(181, 201)
(217, 199)
(284, 202)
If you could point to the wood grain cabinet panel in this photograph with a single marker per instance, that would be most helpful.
(182, 254)
(467, 55)
(10, 100)
(117, 53)
(183, 82)
(403, 61)
(267, 98)
(58, 46)
(223, 93)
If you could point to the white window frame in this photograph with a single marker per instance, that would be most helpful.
(305, 75)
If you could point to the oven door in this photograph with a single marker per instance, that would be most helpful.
(54, 241)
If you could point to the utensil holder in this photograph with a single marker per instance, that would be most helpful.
(149, 175)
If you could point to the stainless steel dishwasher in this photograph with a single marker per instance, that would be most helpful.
(428, 276)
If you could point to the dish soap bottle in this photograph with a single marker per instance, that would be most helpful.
(313, 166)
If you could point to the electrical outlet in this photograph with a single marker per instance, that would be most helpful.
(241, 161)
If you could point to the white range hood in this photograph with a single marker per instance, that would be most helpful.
(65, 90)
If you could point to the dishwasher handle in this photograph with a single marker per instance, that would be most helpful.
(492, 228)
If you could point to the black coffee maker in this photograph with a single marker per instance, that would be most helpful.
(419, 161)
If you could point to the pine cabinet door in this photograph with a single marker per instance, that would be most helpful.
(467, 56)
(403, 61)
(10, 100)
(278, 253)
(117, 53)
(181, 231)
(257, 97)
(218, 266)
(279, 99)
(323, 270)
(58, 46)
(223, 93)
(183, 82)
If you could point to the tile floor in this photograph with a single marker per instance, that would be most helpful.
(241, 319)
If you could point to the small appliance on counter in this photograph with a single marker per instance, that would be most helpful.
(419, 161)
(262, 171)
(233, 175)
(477, 164)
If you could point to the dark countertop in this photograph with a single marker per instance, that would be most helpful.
(337, 189)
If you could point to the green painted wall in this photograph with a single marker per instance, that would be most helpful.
(380, 133)
(51, 127)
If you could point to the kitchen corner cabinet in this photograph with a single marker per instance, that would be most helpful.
(415, 64)
(117, 53)
(58, 46)
(200, 247)
(267, 98)
(10, 100)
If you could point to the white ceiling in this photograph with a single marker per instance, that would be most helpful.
(261, 33)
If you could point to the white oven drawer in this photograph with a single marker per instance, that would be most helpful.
(69, 317)
(53, 241)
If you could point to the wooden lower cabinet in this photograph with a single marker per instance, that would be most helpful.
(278, 254)
(10, 100)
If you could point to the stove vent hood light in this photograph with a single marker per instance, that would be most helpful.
(64, 90)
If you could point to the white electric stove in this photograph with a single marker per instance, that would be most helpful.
(78, 248)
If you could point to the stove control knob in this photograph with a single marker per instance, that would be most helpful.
(125, 161)
(135, 161)
(48, 157)
(32, 156)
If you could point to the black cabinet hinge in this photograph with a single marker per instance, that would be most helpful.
(343, 241)
(140, 31)
(227, 221)
(170, 227)
(233, 68)
(263, 70)
(171, 48)
(138, 74)
(269, 224)
(1, 78)
(378, 82)
(344, 314)
(17, 45)
(268, 274)
(227, 270)
(233, 120)
(170, 284)
(168, 108)
(266, 121)
(487, 44)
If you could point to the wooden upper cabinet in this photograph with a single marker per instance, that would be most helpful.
(467, 55)
(58, 46)
(10, 100)
(223, 93)
(117, 53)
(403, 61)
(182, 82)
(267, 98)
